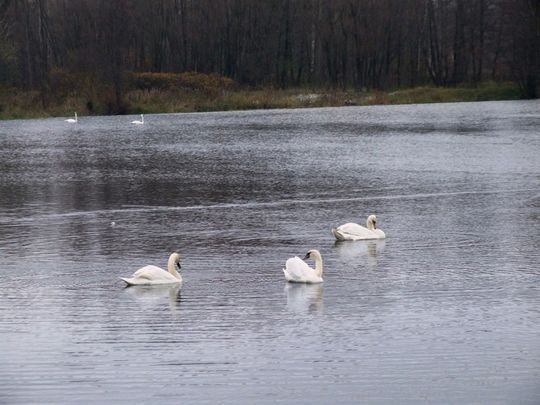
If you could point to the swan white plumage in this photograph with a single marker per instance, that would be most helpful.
(351, 231)
(153, 275)
(137, 122)
(71, 120)
(297, 271)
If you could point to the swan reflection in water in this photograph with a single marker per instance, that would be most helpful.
(369, 249)
(154, 296)
(302, 298)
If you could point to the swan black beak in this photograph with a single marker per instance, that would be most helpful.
(178, 265)
(306, 256)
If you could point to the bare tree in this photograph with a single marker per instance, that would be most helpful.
(335, 43)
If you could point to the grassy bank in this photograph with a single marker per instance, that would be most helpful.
(28, 104)
(302, 98)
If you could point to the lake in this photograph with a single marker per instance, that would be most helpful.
(445, 310)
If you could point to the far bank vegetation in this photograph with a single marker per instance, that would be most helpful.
(128, 56)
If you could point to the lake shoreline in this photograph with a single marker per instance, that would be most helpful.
(451, 296)
(28, 104)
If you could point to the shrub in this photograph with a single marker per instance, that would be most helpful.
(191, 81)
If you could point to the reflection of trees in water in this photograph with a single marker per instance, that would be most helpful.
(302, 298)
(368, 249)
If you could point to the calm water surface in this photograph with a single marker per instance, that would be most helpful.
(446, 310)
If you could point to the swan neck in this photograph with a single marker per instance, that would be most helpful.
(318, 266)
(171, 267)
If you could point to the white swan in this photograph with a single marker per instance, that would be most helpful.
(71, 120)
(141, 122)
(351, 231)
(152, 275)
(297, 271)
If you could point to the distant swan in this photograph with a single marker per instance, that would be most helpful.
(136, 122)
(297, 271)
(351, 231)
(152, 275)
(71, 120)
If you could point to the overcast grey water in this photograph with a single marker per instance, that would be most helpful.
(445, 310)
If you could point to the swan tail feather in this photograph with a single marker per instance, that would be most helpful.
(287, 275)
(128, 281)
(338, 235)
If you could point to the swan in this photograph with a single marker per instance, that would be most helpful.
(152, 275)
(71, 120)
(297, 271)
(141, 122)
(351, 231)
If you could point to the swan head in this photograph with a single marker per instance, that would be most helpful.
(312, 254)
(315, 255)
(371, 222)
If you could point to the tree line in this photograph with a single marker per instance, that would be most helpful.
(371, 44)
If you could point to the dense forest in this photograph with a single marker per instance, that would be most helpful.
(362, 44)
